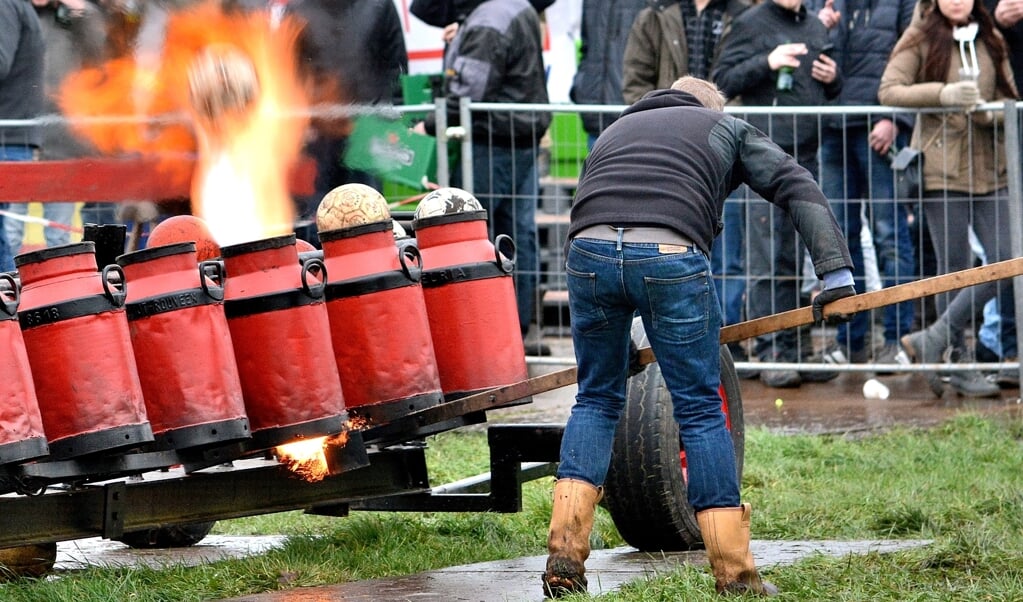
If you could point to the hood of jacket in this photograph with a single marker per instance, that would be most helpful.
(440, 13)
(659, 99)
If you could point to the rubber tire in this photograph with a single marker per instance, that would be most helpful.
(176, 536)
(27, 561)
(645, 491)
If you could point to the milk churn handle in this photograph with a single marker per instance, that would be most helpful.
(110, 290)
(211, 278)
(10, 306)
(505, 264)
(410, 253)
(314, 264)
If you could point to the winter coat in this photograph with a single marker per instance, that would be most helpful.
(657, 52)
(497, 56)
(960, 153)
(671, 162)
(21, 71)
(864, 38)
(598, 79)
(742, 72)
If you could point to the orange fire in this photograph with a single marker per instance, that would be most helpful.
(308, 458)
(150, 105)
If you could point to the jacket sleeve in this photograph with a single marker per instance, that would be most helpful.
(775, 175)
(639, 64)
(741, 65)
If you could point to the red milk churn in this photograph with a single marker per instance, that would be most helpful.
(281, 337)
(21, 426)
(378, 321)
(470, 295)
(182, 346)
(78, 344)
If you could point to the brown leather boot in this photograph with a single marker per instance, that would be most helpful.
(726, 537)
(568, 540)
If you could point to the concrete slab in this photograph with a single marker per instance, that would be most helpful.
(98, 552)
(518, 580)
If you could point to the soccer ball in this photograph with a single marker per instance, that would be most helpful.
(445, 201)
(351, 205)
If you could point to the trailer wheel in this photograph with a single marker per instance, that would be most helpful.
(176, 536)
(645, 490)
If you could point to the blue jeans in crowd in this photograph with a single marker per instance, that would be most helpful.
(852, 173)
(727, 257)
(506, 182)
(608, 283)
(60, 213)
(11, 152)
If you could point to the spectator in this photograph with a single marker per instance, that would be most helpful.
(647, 209)
(496, 56)
(855, 169)
(354, 52)
(964, 169)
(767, 44)
(1008, 15)
(74, 35)
(672, 38)
(598, 79)
(21, 90)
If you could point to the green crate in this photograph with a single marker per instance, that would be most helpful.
(568, 145)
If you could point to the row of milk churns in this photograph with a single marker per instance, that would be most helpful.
(174, 347)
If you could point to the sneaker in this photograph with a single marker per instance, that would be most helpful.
(1007, 378)
(819, 376)
(926, 347)
(780, 379)
(973, 384)
(890, 354)
(834, 354)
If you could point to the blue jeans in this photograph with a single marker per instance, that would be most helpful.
(506, 182)
(607, 284)
(853, 173)
(11, 152)
(60, 213)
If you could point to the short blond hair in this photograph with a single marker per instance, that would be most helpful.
(704, 91)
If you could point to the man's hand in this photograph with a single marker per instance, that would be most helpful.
(882, 135)
(829, 16)
(824, 70)
(784, 55)
(1008, 12)
(827, 296)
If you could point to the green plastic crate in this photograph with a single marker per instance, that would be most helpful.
(568, 145)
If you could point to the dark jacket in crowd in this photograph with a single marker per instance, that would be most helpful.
(361, 43)
(669, 158)
(863, 39)
(1014, 39)
(742, 72)
(598, 79)
(497, 56)
(21, 71)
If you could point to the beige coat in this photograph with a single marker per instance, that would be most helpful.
(954, 140)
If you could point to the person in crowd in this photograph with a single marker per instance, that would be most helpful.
(648, 206)
(774, 55)
(74, 35)
(354, 52)
(669, 39)
(855, 168)
(598, 78)
(953, 56)
(496, 55)
(21, 91)
(1008, 15)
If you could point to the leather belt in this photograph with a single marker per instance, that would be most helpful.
(642, 234)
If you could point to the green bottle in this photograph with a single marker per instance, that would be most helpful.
(784, 79)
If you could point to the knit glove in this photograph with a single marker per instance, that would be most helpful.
(959, 94)
(827, 296)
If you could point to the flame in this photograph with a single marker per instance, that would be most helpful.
(307, 459)
(144, 104)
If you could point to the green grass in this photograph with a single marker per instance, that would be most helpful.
(960, 484)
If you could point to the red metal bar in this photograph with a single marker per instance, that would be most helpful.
(114, 180)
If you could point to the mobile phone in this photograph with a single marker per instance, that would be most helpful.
(828, 49)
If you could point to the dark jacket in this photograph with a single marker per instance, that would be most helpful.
(864, 38)
(1014, 39)
(21, 71)
(668, 161)
(657, 52)
(497, 57)
(361, 44)
(742, 71)
(598, 79)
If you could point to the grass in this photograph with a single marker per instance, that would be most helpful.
(960, 484)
